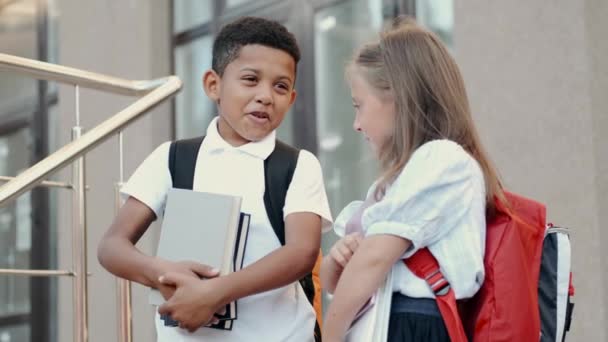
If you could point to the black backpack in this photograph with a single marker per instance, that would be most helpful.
(278, 172)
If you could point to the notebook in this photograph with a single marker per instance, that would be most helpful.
(201, 227)
(226, 320)
(372, 323)
(239, 255)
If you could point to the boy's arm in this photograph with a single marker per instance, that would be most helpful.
(283, 266)
(367, 269)
(116, 251)
(194, 301)
(118, 254)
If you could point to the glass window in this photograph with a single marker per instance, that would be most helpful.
(347, 162)
(22, 34)
(194, 110)
(15, 226)
(285, 130)
(52, 41)
(348, 165)
(188, 14)
(18, 36)
(437, 15)
(15, 333)
(234, 3)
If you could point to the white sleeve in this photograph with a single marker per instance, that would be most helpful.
(151, 182)
(344, 216)
(306, 192)
(432, 193)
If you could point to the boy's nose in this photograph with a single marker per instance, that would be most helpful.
(264, 97)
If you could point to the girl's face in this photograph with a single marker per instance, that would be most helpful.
(374, 113)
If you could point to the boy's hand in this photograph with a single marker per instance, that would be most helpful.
(344, 249)
(188, 269)
(194, 302)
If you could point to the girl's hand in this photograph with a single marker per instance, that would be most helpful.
(344, 249)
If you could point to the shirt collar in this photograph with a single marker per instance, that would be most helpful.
(260, 149)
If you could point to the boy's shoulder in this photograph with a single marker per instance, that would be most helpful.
(283, 152)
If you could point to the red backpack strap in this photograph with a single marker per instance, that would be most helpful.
(424, 265)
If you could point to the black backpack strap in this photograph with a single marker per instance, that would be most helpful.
(186, 151)
(182, 176)
(278, 172)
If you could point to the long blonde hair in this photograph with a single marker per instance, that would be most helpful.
(430, 98)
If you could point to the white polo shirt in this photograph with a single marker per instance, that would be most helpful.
(282, 314)
(437, 201)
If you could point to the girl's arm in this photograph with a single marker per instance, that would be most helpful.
(339, 255)
(362, 276)
(330, 273)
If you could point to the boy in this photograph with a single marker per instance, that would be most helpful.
(252, 81)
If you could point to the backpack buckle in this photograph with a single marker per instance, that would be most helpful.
(437, 282)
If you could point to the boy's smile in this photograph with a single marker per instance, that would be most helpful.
(253, 94)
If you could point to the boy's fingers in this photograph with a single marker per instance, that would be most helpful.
(185, 326)
(204, 271)
(222, 311)
(173, 279)
(167, 291)
(164, 309)
(166, 280)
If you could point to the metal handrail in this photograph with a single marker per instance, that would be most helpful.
(157, 91)
(154, 92)
(86, 79)
(48, 184)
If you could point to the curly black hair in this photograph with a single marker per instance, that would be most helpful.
(251, 30)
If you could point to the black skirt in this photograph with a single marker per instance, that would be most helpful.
(416, 319)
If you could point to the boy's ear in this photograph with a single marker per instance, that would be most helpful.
(293, 97)
(211, 84)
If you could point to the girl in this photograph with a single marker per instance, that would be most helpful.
(435, 187)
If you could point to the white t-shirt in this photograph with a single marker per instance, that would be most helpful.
(282, 314)
(438, 201)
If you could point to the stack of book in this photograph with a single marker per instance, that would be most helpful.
(371, 322)
(206, 228)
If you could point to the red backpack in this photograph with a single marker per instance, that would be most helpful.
(507, 307)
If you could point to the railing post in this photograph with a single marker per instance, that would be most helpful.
(125, 317)
(79, 238)
(153, 92)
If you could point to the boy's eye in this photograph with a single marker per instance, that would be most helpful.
(249, 79)
(283, 86)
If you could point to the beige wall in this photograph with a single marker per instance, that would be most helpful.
(536, 76)
(597, 43)
(129, 39)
